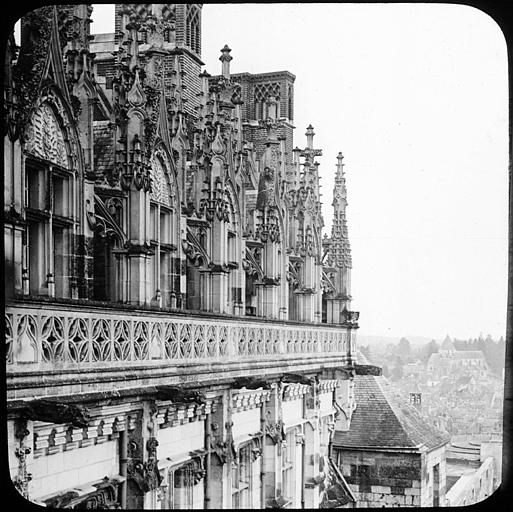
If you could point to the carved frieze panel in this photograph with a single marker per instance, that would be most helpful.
(161, 192)
(45, 138)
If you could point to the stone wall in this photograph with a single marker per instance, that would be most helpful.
(382, 478)
(430, 461)
(472, 488)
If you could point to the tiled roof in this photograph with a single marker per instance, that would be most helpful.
(439, 359)
(382, 420)
(103, 147)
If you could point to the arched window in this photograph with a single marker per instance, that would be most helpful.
(193, 26)
(165, 275)
(49, 189)
(108, 239)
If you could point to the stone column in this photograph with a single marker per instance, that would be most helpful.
(142, 464)
(219, 473)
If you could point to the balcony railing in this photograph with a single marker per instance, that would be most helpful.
(56, 335)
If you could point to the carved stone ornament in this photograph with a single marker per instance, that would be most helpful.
(256, 447)
(275, 430)
(22, 479)
(145, 474)
(105, 496)
(136, 96)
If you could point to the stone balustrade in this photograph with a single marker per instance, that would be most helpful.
(51, 335)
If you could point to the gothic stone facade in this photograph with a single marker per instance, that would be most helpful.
(179, 333)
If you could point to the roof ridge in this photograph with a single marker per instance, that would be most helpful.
(395, 406)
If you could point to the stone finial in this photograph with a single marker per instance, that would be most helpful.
(204, 76)
(309, 136)
(225, 59)
(340, 165)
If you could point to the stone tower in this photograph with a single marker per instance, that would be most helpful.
(181, 33)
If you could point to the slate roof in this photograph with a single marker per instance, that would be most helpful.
(103, 147)
(382, 420)
(438, 359)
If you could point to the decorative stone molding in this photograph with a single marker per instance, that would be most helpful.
(246, 401)
(327, 385)
(51, 438)
(295, 391)
(171, 415)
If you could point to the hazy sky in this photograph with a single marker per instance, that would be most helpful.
(415, 96)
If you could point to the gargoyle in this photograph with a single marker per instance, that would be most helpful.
(56, 412)
(251, 383)
(294, 378)
(180, 395)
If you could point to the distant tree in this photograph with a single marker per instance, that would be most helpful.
(428, 349)
(404, 349)
(391, 348)
(386, 371)
(396, 373)
(480, 344)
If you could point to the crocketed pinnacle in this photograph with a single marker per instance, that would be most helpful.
(340, 249)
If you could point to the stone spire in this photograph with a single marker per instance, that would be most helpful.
(340, 250)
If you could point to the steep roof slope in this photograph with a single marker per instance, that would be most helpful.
(381, 420)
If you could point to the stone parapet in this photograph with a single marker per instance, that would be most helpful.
(58, 350)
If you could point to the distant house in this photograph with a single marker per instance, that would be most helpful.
(448, 360)
(465, 383)
(414, 369)
(390, 456)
